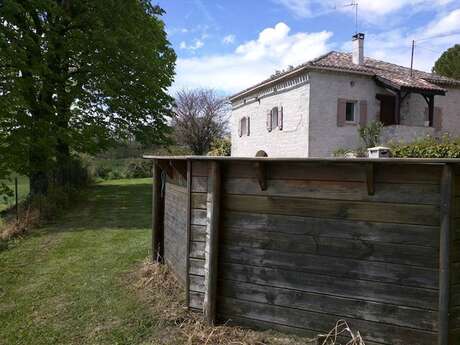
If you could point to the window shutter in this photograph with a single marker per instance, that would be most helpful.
(362, 113)
(240, 131)
(437, 118)
(269, 121)
(248, 125)
(280, 119)
(341, 112)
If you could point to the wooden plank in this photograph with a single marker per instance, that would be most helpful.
(343, 307)
(200, 168)
(199, 217)
(333, 228)
(197, 283)
(444, 253)
(157, 217)
(197, 250)
(200, 184)
(350, 268)
(196, 300)
(198, 233)
(322, 284)
(385, 334)
(333, 247)
(212, 242)
(339, 171)
(370, 178)
(338, 209)
(199, 200)
(197, 267)
(349, 190)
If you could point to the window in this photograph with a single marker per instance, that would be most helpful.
(274, 117)
(244, 126)
(350, 112)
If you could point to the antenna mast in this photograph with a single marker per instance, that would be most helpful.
(354, 4)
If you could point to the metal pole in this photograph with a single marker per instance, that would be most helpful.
(16, 197)
(412, 58)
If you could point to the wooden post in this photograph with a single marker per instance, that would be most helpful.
(431, 110)
(212, 242)
(189, 230)
(157, 207)
(370, 178)
(444, 255)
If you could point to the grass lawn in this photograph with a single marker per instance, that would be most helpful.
(66, 283)
(23, 191)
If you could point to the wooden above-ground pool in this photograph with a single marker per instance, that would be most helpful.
(297, 244)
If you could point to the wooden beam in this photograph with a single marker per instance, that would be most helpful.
(212, 241)
(398, 108)
(180, 167)
(431, 110)
(370, 179)
(447, 181)
(157, 214)
(189, 230)
(261, 174)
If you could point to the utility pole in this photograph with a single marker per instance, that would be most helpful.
(412, 58)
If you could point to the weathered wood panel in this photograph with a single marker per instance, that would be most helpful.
(338, 209)
(319, 321)
(175, 228)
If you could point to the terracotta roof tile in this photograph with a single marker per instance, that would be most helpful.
(397, 75)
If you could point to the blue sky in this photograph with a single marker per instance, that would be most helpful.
(231, 44)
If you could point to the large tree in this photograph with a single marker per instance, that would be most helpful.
(200, 116)
(75, 76)
(448, 64)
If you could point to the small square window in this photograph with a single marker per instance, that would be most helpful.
(350, 112)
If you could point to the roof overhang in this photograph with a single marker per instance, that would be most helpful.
(388, 84)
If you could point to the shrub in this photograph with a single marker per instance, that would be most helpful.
(139, 168)
(370, 134)
(428, 147)
(221, 147)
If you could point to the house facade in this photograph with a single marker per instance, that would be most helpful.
(314, 109)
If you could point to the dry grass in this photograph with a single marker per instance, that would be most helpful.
(157, 286)
(16, 228)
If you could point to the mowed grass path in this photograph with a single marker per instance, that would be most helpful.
(67, 283)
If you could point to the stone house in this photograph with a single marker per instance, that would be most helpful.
(315, 108)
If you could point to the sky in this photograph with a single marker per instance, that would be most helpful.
(229, 45)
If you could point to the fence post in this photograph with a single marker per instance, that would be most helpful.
(212, 241)
(189, 230)
(157, 226)
(444, 252)
(16, 198)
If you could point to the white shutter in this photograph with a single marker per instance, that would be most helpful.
(240, 132)
(280, 118)
(269, 121)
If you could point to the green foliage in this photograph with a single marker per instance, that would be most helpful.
(448, 64)
(429, 147)
(370, 134)
(221, 147)
(139, 168)
(76, 76)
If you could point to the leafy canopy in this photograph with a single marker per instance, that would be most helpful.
(80, 74)
(448, 64)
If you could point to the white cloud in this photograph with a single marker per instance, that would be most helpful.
(253, 61)
(194, 46)
(229, 39)
(444, 25)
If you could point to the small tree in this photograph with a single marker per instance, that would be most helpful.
(448, 64)
(221, 147)
(200, 117)
(370, 134)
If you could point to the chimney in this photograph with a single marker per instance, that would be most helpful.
(358, 49)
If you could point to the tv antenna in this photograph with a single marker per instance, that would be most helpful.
(355, 4)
